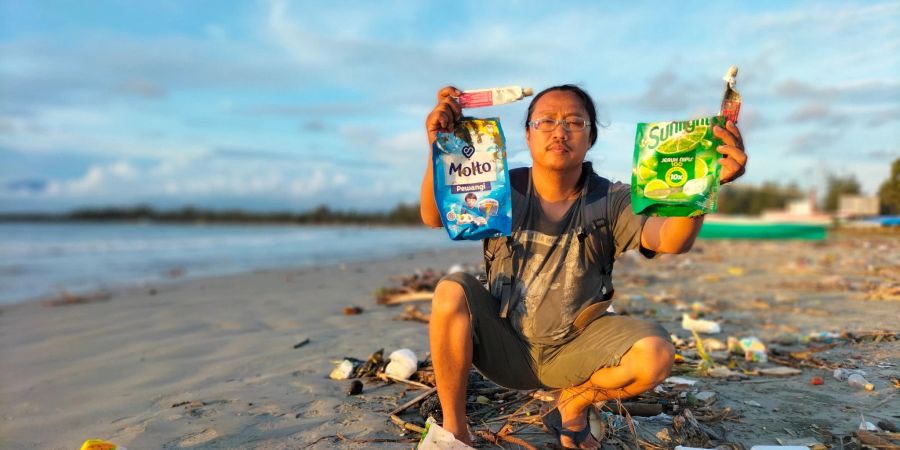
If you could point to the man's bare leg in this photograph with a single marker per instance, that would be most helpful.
(450, 334)
(646, 364)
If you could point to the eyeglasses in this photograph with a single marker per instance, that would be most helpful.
(570, 124)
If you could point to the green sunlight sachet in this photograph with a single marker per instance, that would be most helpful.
(676, 169)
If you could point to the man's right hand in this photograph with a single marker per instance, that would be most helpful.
(445, 113)
(441, 119)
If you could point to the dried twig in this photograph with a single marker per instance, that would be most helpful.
(358, 441)
(385, 377)
(798, 363)
(638, 409)
(883, 402)
(716, 417)
(496, 438)
(412, 402)
(541, 395)
(406, 425)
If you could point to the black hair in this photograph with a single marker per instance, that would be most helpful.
(471, 195)
(586, 100)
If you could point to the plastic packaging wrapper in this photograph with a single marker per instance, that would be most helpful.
(675, 172)
(437, 438)
(471, 180)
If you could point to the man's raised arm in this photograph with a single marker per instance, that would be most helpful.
(440, 119)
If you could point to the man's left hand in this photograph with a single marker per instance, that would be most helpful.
(735, 160)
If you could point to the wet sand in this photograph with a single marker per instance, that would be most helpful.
(211, 363)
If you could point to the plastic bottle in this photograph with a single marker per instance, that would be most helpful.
(476, 98)
(856, 380)
(842, 374)
(731, 99)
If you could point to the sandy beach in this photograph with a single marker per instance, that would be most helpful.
(211, 363)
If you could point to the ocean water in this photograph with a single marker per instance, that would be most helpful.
(38, 260)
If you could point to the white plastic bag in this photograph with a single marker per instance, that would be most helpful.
(437, 438)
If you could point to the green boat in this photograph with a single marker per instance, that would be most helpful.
(720, 228)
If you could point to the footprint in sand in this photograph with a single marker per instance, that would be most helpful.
(198, 438)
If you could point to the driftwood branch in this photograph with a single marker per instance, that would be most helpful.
(396, 299)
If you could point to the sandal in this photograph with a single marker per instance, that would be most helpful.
(553, 421)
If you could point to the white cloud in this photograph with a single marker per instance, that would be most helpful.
(99, 179)
(317, 182)
(123, 170)
(174, 162)
(860, 90)
(841, 17)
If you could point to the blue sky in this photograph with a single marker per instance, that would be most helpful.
(275, 105)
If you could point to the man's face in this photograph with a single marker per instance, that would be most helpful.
(558, 149)
(470, 202)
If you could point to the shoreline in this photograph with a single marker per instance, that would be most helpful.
(136, 287)
(189, 271)
(52, 261)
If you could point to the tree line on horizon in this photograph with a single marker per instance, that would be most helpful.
(753, 200)
(402, 214)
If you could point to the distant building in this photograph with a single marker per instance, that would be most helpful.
(852, 206)
(798, 211)
(805, 207)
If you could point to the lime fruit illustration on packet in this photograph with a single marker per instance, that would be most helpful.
(676, 170)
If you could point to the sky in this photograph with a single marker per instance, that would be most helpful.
(278, 105)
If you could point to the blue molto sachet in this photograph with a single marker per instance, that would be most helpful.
(471, 183)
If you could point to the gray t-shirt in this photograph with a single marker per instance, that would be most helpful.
(556, 273)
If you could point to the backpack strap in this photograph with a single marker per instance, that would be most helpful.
(599, 198)
(592, 220)
(520, 181)
(512, 244)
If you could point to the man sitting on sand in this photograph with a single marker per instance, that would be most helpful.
(548, 329)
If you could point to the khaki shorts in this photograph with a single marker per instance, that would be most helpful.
(501, 354)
